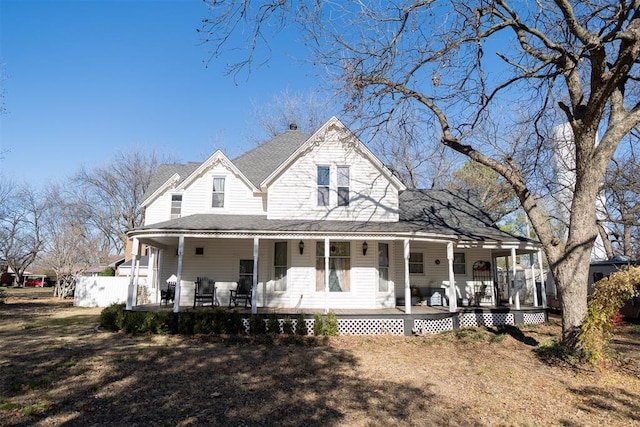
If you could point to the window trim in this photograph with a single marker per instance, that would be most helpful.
(172, 215)
(342, 202)
(326, 186)
(283, 279)
(416, 263)
(457, 265)
(223, 192)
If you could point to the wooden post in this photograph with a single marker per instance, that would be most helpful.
(176, 299)
(254, 296)
(517, 294)
(453, 295)
(533, 280)
(543, 284)
(407, 283)
(131, 289)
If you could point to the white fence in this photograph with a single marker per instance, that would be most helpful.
(103, 291)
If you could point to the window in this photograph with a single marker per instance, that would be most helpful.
(416, 263)
(323, 185)
(176, 205)
(199, 251)
(217, 201)
(245, 276)
(343, 185)
(383, 267)
(459, 263)
(339, 266)
(280, 266)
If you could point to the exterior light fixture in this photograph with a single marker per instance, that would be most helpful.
(301, 246)
(365, 246)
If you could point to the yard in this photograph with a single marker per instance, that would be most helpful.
(57, 367)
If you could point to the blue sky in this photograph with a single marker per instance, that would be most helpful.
(83, 79)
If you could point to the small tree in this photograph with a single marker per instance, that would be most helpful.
(603, 305)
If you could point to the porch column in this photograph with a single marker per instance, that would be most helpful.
(131, 289)
(326, 275)
(513, 270)
(176, 298)
(407, 284)
(254, 292)
(533, 280)
(159, 261)
(453, 295)
(543, 284)
(152, 273)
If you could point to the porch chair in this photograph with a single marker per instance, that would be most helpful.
(168, 294)
(205, 291)
(242, 292)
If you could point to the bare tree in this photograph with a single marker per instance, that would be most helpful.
(622, 189)
(307, 111)
(455, 61)
(110, 196)
(71, 243)
(20, 227)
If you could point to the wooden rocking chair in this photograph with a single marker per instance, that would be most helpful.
(242, 292)
(205, 291)
(168, 294)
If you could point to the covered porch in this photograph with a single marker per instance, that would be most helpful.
(341, 269)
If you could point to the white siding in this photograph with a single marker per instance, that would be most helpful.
(159, 210)
(238, 199)
(436, 269)
(294, 193)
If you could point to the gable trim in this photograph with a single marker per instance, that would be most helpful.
(317, 137)
(168, 183)
(217, 158)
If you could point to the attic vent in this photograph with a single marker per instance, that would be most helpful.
(293, 126)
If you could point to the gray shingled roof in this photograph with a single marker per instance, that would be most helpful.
(434, 212)
(258, 163)
(166, 171)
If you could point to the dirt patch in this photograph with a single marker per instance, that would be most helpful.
(59, 368)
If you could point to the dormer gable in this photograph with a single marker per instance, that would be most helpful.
(347, 137)
(218, 158)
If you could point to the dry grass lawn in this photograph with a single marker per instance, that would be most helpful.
(58, 368)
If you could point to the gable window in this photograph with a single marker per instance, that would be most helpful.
(199, 251)
(459, 263)
(343, 185)
(280, 266)
(323, 185)
(383, 267)
(217, 201)
(339, 266)
(176, 205)
(416, 263)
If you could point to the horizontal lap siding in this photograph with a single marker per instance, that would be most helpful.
(238, 200)
(294, 193)
(159, 210)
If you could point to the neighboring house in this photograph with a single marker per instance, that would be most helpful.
(96, 270)
(317, 223)
(142, 266)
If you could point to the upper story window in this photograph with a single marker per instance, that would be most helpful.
(217, 200)
(343, 185)
(416, 263)
(176, 205)
(323, 185)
